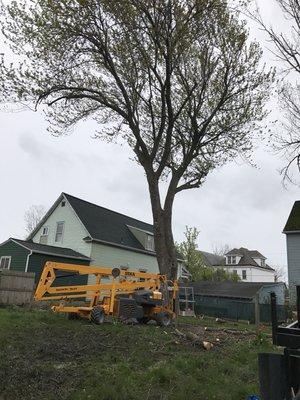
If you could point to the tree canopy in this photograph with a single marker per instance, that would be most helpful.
(286, 47)
(178, 80)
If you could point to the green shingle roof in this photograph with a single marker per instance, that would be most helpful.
(293, 222)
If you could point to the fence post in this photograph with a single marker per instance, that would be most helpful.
(257, 310)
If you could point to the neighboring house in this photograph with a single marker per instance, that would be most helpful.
(292, 232)
(22, 255)
(74, 229)
(249, 265)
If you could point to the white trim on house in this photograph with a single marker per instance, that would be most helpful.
(27, 260)
(46, 252)
(141, 230)
(20, 244)
(3, 258)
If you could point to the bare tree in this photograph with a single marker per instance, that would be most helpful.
(33, 216)
(287, 49)
(280, 273)
(221, 249)
(178, 80)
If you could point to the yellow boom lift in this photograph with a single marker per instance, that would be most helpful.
(121, 293)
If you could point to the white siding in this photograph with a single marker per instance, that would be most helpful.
(73, 233)
(253, 274)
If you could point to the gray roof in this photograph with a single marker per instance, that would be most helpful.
(247, 258)
(242, 290)
(293, 222)
(211, 260)
(50, 250)
(108, 226)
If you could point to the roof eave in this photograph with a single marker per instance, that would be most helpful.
(46, 216)
(151, 253)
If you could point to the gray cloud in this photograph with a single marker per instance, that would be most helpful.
(238, 204)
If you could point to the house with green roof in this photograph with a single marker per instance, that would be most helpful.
(80, 232)
(292, 232)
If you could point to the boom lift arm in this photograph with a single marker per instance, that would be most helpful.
(122, 293)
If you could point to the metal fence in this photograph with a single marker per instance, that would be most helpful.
(236, 309)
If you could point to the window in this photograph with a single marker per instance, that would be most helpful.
(63, 203)
(59, 231)
(5, 262)
(235, 272)
(150, 242)
(231, 259)
(263, 263)
(244, 274)
(44, 235)
(45, 231)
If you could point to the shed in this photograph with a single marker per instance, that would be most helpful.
(241, 290)
(27, 256)
(237, 299)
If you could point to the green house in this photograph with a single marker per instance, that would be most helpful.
(77, 231)
(21, 255)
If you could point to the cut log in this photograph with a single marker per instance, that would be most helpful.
(207, 345)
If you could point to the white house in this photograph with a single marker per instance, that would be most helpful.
(249, 265)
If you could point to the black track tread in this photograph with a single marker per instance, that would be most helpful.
(96, 316)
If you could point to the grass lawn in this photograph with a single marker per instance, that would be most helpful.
(46, 356)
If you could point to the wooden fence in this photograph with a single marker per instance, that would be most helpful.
(16, 288)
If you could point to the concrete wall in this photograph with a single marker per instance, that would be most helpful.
(293, 259)
(73, 233)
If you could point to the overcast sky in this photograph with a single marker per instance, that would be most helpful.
(238, 205)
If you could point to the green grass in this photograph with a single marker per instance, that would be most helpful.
(46, 356)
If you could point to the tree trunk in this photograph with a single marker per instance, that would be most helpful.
(163, 236)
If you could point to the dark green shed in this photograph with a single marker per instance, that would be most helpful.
(21, 255)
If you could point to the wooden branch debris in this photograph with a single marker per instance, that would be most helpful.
(194, 339)
(230, 331)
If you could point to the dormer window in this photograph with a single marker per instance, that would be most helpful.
(231, 260)
(263, 262)
(149, 242)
